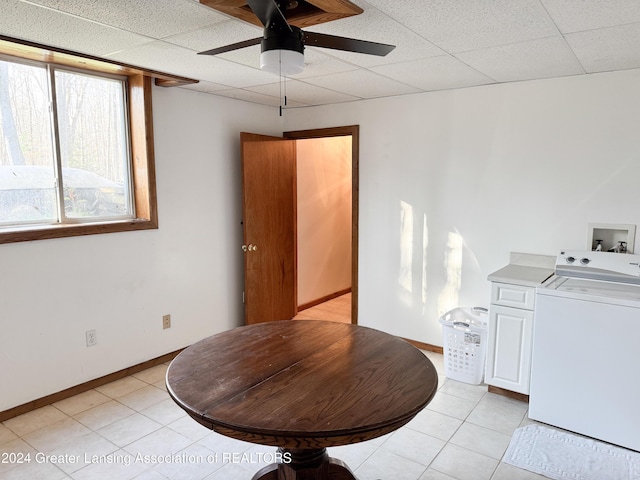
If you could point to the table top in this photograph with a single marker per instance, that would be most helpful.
(302, 383)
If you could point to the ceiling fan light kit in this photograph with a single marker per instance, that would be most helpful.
(282, 62)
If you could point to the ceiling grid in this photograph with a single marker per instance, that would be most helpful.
(440, 44)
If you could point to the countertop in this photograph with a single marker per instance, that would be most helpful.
(525, 269)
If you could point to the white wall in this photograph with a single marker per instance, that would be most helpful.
(452, 181)
(323, 169)
(52, 291)
(489, 170)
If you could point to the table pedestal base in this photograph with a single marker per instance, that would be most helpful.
(306, 465)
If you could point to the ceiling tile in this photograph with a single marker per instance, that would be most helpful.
(301, 92)
(374, 26)
(49, 27)
(317, 62)
(363, 84)
(154, 18)
(170, 58)
(543, 58)
(206, 87)
(249, 56)
(230, 73)
(314, 63)
(578, 15)
(216, 35)
(461, 25)
(249, 96)
(435, 73)
(615, 48)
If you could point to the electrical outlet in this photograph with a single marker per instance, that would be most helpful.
(91, 338)
(166, 321)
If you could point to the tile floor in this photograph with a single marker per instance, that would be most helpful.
(131, 429)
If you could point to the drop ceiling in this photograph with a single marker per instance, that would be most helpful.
(441, 44)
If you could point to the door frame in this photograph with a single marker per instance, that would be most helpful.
(354, 132)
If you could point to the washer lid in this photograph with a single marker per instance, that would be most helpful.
(592, 290)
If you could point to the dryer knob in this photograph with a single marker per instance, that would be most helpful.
(585, 261)
(571, 259)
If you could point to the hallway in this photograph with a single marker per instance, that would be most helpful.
(335, 310)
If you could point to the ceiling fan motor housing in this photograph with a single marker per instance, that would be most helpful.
(283, 40)
(282, 51)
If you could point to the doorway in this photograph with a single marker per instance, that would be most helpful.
(352, 132)
(270, 222)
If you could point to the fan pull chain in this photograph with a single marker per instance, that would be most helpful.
(281, 81)
(285, 91)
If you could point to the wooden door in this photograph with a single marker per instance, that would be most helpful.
(269, 227)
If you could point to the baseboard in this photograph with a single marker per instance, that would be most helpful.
(97, 382)
(83, 387)
(425, 346)
(508, 393)
(326, 298)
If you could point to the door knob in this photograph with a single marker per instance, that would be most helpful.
(249, 248)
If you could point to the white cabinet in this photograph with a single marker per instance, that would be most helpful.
(509, 338)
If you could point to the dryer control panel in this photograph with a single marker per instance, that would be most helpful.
(606, 266)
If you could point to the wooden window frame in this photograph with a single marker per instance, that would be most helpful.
(143, 175)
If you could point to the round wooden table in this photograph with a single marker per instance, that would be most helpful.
(302, 386)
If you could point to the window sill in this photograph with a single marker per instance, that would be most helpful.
(62, 231)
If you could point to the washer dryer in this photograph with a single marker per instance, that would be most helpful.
(585, 368)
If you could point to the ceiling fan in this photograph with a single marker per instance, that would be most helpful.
(282, 44)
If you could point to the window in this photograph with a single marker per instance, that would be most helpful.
(76, 143)
(64, 154)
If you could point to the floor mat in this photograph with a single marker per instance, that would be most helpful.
(560, 455)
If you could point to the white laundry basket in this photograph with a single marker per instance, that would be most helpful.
(464, 331)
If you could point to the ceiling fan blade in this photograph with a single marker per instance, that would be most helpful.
(233, 46)
(269, 13)
(313, 39)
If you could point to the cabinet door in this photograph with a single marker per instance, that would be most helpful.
(516, 296)
(509, 348)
